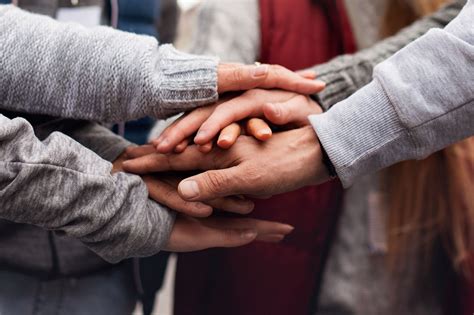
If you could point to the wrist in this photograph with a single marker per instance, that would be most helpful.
(187, 81)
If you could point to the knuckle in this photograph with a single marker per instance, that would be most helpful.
(229, 235)
(237, 74)
(214, 181)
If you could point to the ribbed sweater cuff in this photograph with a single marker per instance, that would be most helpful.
(337, 88)
(355, 132)
(187, 81)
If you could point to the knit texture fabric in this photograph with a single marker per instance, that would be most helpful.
(344, 75)
(96, 74)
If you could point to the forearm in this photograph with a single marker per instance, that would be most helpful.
(59, 185)
(420, 101)
(346, 74)
(97, 138)
(96, 74)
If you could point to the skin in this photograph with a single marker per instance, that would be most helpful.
(192, 221)
(286, 162)
(216, 231)
(238, 77)
(278, 107)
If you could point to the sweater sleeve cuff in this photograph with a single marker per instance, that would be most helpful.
(337, 86)
(158, 236)
(357, 133)
(187, 81)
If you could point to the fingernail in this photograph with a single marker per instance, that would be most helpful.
(224, 140)
(265, 134)
(321, 83)
(259, 71)
(202, 208)
(201, 134)
(249, 235)
(189, 189)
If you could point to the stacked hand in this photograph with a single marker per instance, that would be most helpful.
(241, 164)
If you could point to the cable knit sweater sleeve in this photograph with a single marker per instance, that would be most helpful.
(96, 74)
(346, 74)
(420, 100)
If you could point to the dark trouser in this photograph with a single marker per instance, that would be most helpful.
(109, 292)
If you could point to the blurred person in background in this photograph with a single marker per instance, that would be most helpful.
(404, 239)
(268, 279)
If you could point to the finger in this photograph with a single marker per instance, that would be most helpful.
(308, 74)
(232, 204)
(167, 195)
(212, 184)
(218, 237)
(158, 140)
(296, 110)
(238, 78)
(205, 148)
(134, 152)
(228, 136)
(191, 159)
(181, 146)
(262, 227)
(183, 129)
(225, 114)
(259, 129)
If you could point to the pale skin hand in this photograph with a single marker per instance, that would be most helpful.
(193, 234)
(239, 77)
(276, 106)
(288, 161)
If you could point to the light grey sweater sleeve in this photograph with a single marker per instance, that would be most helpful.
(58, 184)
(100, 74)
(346, 74)
(97, 138)
(420, 101)
(216, 35)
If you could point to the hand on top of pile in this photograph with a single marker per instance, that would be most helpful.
(233, 77)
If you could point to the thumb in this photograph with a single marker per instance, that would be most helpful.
(211, 185)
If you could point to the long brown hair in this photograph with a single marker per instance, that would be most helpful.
(430, 202)
(401, 13)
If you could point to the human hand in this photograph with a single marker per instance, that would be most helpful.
(192, 234)
(276, 106)
(117, 164)
(163, 188)
(239, 77)
(288, 161)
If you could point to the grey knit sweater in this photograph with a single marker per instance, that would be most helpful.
(53, 182)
